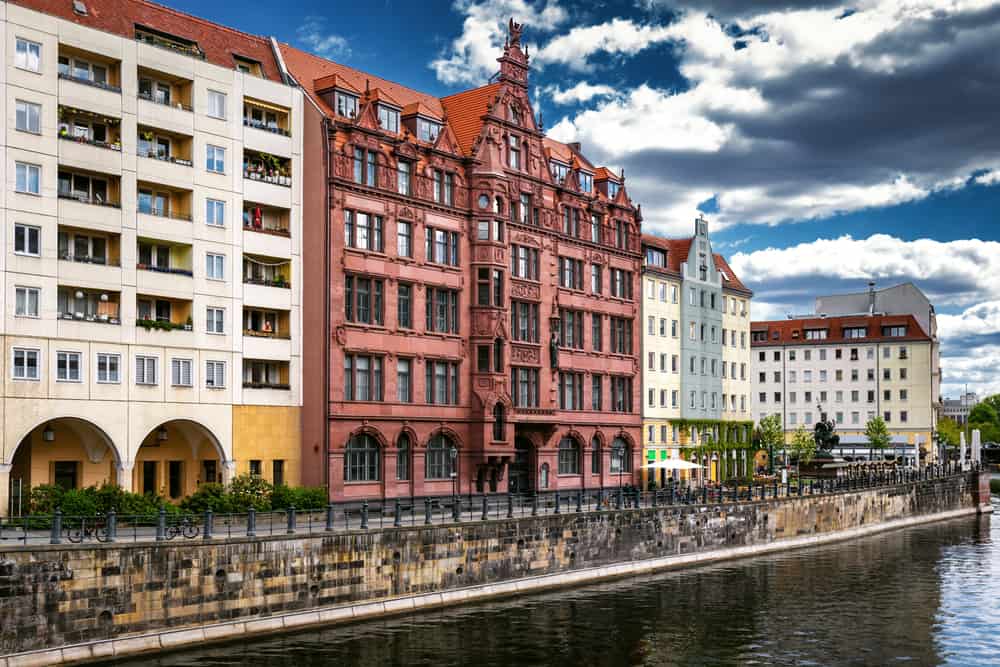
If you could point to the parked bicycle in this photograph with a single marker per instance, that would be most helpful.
(185, 527)
(88, 529)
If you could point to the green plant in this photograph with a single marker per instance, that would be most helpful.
(803, 447)
(208, 496)
(45, 498)
(877, 433)
(299, 497)
(250, 491)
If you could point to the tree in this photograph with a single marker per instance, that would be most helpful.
(803, 447)
(771, 435)
(984, 413)
(949, 432)
(877, 433)
(994, 402)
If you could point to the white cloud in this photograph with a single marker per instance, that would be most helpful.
(983, 319)
(978, 368)
(471, 58)
(581, 92)
(616, 37)
(314, 37)
(991, 177)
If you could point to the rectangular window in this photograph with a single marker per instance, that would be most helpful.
(216, 104)
(441, 382)
(524, 387)
(524, 262)
(108, 368)
(180, 373)
(596, 279)
(215, 212)
(215, 266)
(27, 178)
(363, 300)
(597, 331)
(596, 392)
(404, 306)
(145, 370)
(388, 118)
(571, 328)
(404, 239)
(570, 391)
(621, 335)
(570, 273)
(441, 247)
(215, 374)
(524, 321)
(403, 177)
(27, 55)
(363, 231)
(404, 380)
(215, 320)
(215, 159)
(514, 154)
(26, 301)
(27, 239)
(68, 366)
(441, 310)
(621, 394)
(28, 117)
(25, 363)
(621, 284)
(347, 105)
(362, 378)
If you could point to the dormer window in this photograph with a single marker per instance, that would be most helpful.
(816, 334)
(388, 118)
(559, 170)
(586, 182)
(248, 66)
(656, 257)
(515, 115)
(613, 188)
(167, 41)
(427, 130)
(347, 104)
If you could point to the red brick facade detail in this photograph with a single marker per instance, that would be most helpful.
(503, 197)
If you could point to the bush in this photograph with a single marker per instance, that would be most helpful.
(301, 498)
(45, 498)
(210, 496)
(247, 491)
(995, 486)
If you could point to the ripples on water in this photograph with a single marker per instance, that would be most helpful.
(922, 596)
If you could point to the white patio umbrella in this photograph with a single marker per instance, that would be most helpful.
(672, 464)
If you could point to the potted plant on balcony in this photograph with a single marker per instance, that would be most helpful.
(279, 280)
(189, 325)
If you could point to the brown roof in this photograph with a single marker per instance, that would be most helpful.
(308, 68)
(421, 109)
(603, 173)
(677, 253)
(119, 17)
(792, 332)
(465, 112)
(730, 279)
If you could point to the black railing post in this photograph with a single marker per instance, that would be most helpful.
(704, 495)
(364, 515)
(251, 522)
(206, 531)
(290, 516)
(456, 508)
(397, 515)
(427, 511)
(579, 500)
(56, 536)
(619, 499)
(510, 506)
(161, 524)
(654, 498)
(329, 517)
(486, 507)
(534, 503)
(558, 509)
(112, 526)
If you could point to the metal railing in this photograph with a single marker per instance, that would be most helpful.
(175, 104)
(264, 127)
(67, 76)
(412, 511)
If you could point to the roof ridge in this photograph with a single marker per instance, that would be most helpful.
(470, 90)
(200, 19)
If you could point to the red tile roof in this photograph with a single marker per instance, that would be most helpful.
(792, 332)
(603, 173)
(729, 280)
(119, 17)
(677, 253)
(465, 111)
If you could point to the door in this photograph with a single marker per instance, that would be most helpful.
(149, 477)
(64, 474)
(208, 469)
(520, 478)
(176, 478)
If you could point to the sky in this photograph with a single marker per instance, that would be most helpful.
(827, 143)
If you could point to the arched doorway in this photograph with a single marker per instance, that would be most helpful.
(520, 478)
(177, 457)
(69, 452)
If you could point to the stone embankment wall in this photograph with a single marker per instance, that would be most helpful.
(99, 600)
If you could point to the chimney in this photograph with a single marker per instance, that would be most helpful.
(871, 297)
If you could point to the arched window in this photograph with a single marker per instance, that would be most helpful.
(569, 456)
(595, 455)
(361, 459)
(543, 480)
(499, 425)
(403, 457)
(621, 456)
(438, 461)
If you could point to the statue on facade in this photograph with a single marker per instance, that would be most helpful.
(554, 350)
(515, 29)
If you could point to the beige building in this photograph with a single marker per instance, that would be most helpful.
(151, 252)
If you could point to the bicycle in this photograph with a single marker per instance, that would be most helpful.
(185, 527)
(78, 534)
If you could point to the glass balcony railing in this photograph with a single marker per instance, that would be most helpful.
(88, 81)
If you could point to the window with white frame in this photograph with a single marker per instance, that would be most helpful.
(215, 319)
(215, 374)
(215, 212)
(67, 366)
(145, 369)
(28, 117)
(27, 55)
(388, 118)
(26, 301)
(24, 365)
(215, 159)
(180, 373)
(216, 104)
(215, 266)
(28, 178)
(27, 239)
(108, 368)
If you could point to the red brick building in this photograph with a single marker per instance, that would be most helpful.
(483, 286)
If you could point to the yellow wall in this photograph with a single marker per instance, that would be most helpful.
(34, 459)
(266, 433)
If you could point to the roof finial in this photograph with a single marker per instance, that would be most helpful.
(367, 86)
(514, 32)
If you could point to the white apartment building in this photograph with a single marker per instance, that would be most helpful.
(151, 251)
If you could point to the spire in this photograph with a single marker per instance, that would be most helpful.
(514, 61)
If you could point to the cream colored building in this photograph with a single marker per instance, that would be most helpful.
(150, 255)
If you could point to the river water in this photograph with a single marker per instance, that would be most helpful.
(922, 596)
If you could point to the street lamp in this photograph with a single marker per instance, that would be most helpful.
(453, 453)
(618, 447)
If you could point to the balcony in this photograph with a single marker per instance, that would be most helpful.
(88, 258)
(266, 220)
(89, 188)
(164, 267)
(260, 323)
(267, 271)
(82, 305)
(267, 168)
(90, 141)
(159, 318)
(89, 81)
(165, 101)
(161, 201)
(264, 374)
(163, 40)
(266, 128)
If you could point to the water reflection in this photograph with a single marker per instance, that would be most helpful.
(923, 596)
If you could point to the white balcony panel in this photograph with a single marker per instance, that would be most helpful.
(163, 172)
(268, 91)
(165, 117)
(89, 157)
(90, 331)
(157, 337)
(167, 229)
(165, 60)
(95, 276)
(267, 142)
(269, 396)
(267, 193)
(89, 216)
(272, 349)
(268, 245)
(156, 283)
(90, 98)
(259, 296)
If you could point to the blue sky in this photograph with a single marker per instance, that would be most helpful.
(829, 143)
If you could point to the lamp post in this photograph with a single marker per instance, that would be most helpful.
(619, 449)
(453, 454)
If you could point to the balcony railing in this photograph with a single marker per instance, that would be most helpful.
(113, 146)
(90, 317)
(267, 385)
(267, 177)
(155, 155)
(255, 333)
(87, 199)
(275, 231)
(261, 125)
(162, 269)
(165, 214)
(280, 281)
(89, 82)
(86, 259)
(193, 51)
(162, 325)
(175, 105)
